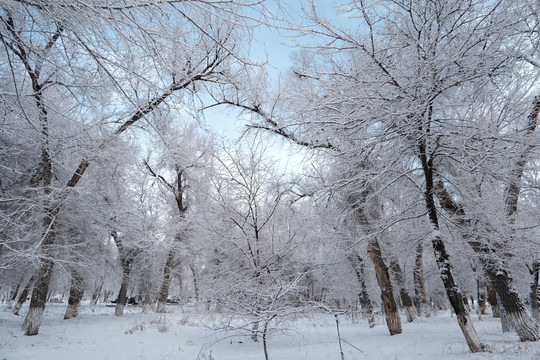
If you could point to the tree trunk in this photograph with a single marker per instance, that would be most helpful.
(95, 296)
(33, 318)
(164, 291)
(393, 321)
(363, 297)
(24, 294)
(420, 298)
(121, 300)
(533, 292)
(195, 284)
(76, 294)
(456, 300)
(496, 271)
(442, 258)
(481, 296)
(399, 278)
(492, 299)
(13, 296)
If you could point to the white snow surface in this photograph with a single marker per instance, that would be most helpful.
(183, 333)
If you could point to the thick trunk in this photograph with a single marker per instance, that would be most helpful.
(363, 297)
(164, 291)
(406, 300)
(121, 300)
(393, 321)
(420, 298)
(76, 293)
(33, 318)
(512, 306)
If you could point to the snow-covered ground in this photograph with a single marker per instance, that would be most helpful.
(182, 334)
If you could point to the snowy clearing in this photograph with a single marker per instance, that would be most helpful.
(182, 334)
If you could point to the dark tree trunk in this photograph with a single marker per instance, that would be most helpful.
(406, 300)
(481, 296)
(24, 294)
(167, 276)
(492, 299)
(76, 294)
(533, 292)
(363, 297)
(442, 258)
(33, 318)
(121, 300)
(393, 321)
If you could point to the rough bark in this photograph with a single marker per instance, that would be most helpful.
(33, 318)
(406, 299)
(76, 293)
(363, 297)
(393, 321)
(167, 277)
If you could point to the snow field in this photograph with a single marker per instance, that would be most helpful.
(183, 333)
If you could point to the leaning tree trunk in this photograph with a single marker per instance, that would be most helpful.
(420, 298)
(393, 321)
(363, 297)
(167, 276)
(518, 316)
(76, 293)
(512, 308)
(24, 294)
(406, 300)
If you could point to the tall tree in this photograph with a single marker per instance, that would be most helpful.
(108, 66)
